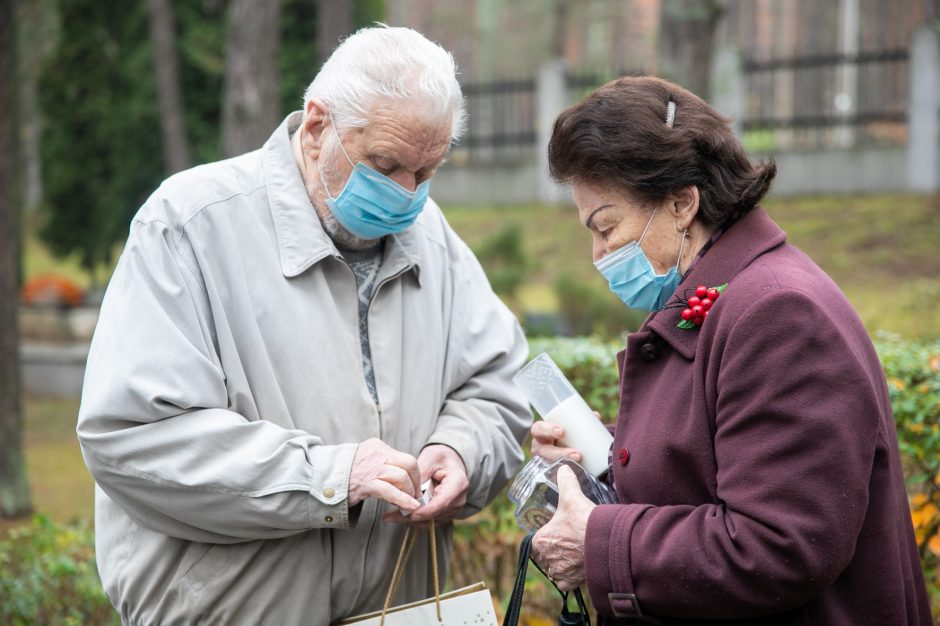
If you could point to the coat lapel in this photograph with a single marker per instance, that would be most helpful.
(748, 238)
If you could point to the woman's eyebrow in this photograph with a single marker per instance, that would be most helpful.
(587, 222)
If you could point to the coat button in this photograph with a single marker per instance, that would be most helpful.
(649, 351)
(623, 456)
(329, 519)
(329, 492)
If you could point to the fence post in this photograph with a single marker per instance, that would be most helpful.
(551, 98)
(923, 116)
(727, 87)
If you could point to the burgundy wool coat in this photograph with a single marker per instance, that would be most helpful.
(756, 458)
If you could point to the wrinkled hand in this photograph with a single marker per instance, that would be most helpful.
(381, 471)
(449, 483)
(558, 547)
(545, 442)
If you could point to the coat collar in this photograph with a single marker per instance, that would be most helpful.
(301, 240)
(748, 238)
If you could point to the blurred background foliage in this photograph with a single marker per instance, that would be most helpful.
(49, 566)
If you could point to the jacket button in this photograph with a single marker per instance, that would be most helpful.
(649, 351)
(329, 519)
(329, 492)
(623, 456)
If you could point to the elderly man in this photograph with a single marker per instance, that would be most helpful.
(294, 340)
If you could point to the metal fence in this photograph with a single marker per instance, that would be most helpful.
(501, 119)
(826, 101)
(502, 115)
(802, 103)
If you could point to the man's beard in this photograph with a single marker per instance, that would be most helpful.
(332, 226)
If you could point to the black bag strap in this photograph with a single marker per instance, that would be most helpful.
(566, 618)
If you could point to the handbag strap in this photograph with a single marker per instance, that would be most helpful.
(398, 573)
(515, 600)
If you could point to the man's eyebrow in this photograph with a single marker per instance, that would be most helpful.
(587, 223)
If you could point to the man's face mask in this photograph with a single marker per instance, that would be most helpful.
(372, 205)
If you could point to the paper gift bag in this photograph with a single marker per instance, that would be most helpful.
(470, 605)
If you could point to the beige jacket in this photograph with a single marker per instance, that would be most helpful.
(224, 399)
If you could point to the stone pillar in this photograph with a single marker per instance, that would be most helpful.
(727, 87)
(551, 98)
(923, 114)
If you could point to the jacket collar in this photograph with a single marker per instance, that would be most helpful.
(748, 238)
(301, 240)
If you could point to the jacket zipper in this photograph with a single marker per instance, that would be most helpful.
(375, 295)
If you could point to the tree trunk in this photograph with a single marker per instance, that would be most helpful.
(686, 38)
(251, 98)
(172, 124)
(334, 21)
(14, 490)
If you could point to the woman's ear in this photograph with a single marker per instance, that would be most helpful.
(683, 204)
(314, 123)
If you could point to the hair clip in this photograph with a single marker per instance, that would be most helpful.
(670, 113)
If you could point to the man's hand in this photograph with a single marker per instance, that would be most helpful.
(449, 484)
(380, 471)
(558, 547)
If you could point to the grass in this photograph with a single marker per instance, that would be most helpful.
(881, 250)
(60, 485)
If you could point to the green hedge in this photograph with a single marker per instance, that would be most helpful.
(48, 575)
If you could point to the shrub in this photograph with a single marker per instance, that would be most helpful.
(48, 573)
(48, 576)
(591, 310)
(913, 374)
(504, 259)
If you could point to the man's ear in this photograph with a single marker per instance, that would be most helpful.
(315, 121)
(683, 204)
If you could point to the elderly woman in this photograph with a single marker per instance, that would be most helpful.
(755, 457)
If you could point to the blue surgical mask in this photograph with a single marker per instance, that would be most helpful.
(372, 205)
(631, 275)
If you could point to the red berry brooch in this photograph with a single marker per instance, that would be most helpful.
(696, 308)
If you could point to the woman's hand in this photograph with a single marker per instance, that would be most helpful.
(545, 436)
(558, 547)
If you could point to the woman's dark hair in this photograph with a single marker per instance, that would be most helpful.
(619, 135)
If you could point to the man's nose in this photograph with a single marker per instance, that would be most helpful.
(406, 179)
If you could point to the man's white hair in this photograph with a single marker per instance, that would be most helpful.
(385, 62)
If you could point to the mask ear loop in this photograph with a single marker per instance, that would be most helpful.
(319, 168)
(338, 138)
(648, 224)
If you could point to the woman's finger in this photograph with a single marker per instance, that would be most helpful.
(552, 453)
(546, 431)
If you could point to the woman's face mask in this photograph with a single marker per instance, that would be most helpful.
(372, 205)
(631, 275)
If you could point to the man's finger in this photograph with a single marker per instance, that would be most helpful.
(390, 494)
(398, 478)
(407, 463)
